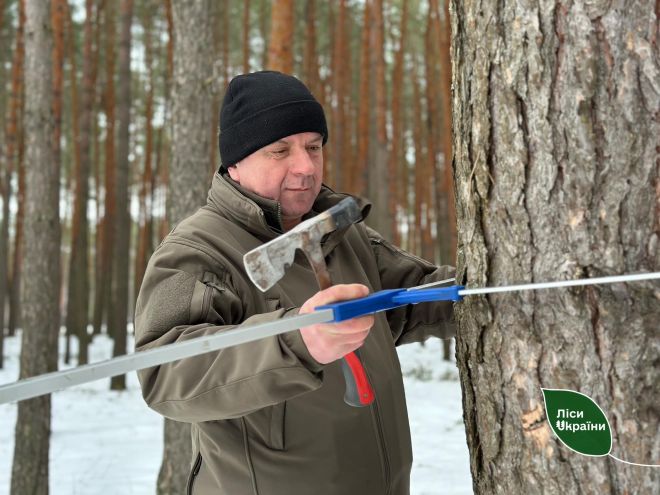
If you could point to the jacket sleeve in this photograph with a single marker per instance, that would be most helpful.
(398, 268)
(178, 301)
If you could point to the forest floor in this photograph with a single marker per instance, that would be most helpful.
(105, 442)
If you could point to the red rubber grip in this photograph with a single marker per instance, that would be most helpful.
(359, 393)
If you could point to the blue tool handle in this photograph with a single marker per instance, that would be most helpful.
(389, 299)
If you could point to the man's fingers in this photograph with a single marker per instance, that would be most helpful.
(353, 326)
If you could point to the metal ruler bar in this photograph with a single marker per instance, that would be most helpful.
(57, 380)
(562, 283)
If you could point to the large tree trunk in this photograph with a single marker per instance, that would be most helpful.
(118, 316)
(555, 139)
(41, 283)
(191, 118)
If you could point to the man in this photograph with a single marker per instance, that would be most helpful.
(268, 417)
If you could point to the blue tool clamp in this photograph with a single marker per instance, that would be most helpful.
(389, 299)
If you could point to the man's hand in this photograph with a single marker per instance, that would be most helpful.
(328, 342)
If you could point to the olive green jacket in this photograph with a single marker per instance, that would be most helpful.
(266, 417)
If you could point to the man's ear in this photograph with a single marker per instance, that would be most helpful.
(233, 173)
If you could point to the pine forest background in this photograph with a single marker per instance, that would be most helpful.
(380, 68)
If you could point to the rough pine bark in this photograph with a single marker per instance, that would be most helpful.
(78, 298)
(191, 117)
(41, 281)
(118, 316)
(555, 111)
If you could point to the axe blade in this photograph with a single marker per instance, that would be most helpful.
(266, 264)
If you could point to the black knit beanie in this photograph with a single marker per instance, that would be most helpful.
(262, 107)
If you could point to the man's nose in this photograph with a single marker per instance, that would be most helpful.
(301, 162)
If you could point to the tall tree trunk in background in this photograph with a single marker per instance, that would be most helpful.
(446, 229)
(57, 14)
(339, 100)
(145, 196)
(75, 173)
(225, 9)
(246, 37)
(280, 46)
(378, 186)
(264, 15)
(428, 248)
(41, 284)
(11, 159)
(398, 198)
(444, 185)
(107, 248)
(360, 167)
(328, 151)
(311, 74)
(191, 117)
(420, 159)
(118, 316)
(96, 170)
(555, 144)
(350, 111)
(78, 299)
(15, 148)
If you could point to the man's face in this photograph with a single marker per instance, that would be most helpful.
(289, 170)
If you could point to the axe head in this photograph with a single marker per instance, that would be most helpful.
(267, 264)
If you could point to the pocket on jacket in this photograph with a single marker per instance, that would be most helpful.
(267, 426)
(214, 302)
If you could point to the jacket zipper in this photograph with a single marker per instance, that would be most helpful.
(381, 441)
(194, 473)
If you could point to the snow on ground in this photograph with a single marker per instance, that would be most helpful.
(105, 442)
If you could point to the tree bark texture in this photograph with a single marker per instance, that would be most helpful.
(41, 281)
(555, 109)
(191, 118)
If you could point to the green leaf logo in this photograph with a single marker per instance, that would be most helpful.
(578, 421)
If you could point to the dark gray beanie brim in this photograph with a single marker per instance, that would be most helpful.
(262, 107)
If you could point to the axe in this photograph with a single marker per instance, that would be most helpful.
(267, 264)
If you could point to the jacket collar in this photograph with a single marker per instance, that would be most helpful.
(261, 216)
